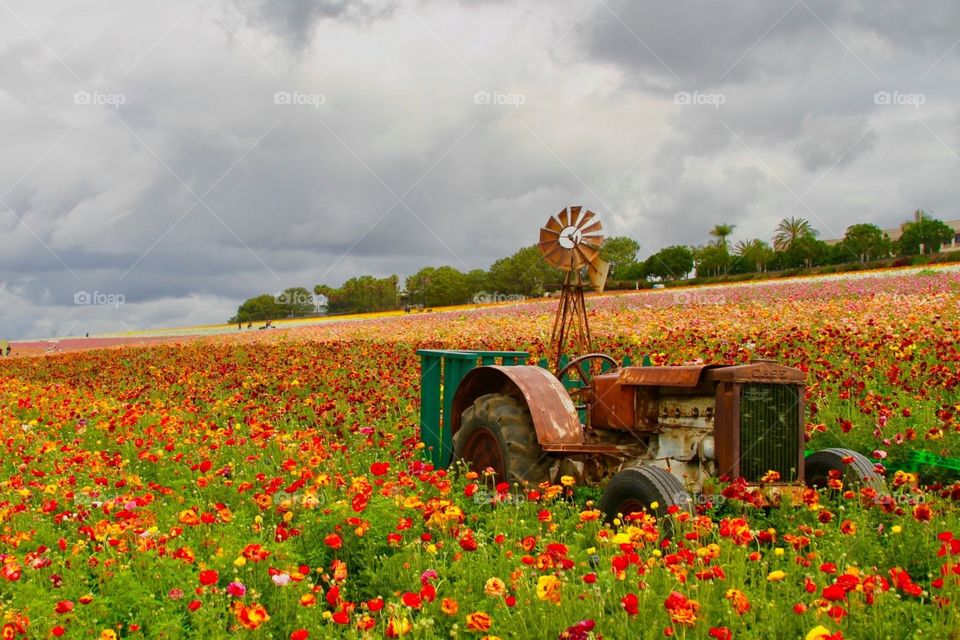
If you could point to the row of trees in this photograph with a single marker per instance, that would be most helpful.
(794, 245)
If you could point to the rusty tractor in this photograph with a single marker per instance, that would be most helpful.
(659, 436)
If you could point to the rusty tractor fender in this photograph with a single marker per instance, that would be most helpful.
(554, 416)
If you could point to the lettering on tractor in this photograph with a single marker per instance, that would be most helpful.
(655, 435)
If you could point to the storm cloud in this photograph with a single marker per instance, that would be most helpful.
(187, 155)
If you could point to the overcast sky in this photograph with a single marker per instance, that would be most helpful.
(180, 156)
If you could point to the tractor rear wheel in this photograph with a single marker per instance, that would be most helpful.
(859, 472)
(497, 432)
(637, 489)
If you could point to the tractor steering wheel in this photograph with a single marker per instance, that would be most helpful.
(585, 374)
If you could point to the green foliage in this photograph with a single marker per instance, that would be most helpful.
(721, 231)
(805, 251)
(259, 308)
(525, 272)
(621, 253)
(929, 232)
(790, 231)
(439, 286)
(365, 293)
(671, 263)
(865, 242)
(755, 254)
(712, 259)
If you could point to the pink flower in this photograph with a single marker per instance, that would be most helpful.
(237, 589)
(281, 579)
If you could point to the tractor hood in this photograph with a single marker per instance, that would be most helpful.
(692, 376)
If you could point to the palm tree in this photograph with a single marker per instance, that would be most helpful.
(721, 231)
(756, 252)
(790, 230)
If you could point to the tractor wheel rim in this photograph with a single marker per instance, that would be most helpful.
(632, 506)
(482, 450)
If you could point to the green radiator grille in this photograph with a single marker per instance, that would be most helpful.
(769, 431)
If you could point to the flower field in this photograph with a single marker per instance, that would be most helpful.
(270, 484)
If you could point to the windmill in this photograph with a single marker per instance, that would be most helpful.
(571, 241)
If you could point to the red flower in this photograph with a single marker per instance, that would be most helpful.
(721, 633)
(379, 468)
(208, 577)
(64, 606)
(835, 592)
(299, 634)
(630, 604)
(333, 541)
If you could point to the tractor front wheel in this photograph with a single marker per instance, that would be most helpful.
(644, 488)
(497, 432)
(852, 468)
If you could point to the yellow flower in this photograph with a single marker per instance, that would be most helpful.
(548, 589)
(776, 576)
(896, 528)
(568, 481)
(817, 633)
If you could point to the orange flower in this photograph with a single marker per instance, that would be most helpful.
(449, 606)
(682, 610)
(251, 617)
(255, 553)
(922, 513)
(590, 515)
(495, 587)
(739, 601)
(770, 476)
(478, 621)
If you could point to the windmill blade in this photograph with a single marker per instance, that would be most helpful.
(553, 253)
(592, 229)
(554, 225)
(574, 215)
(563, 217)
(588, 253)
(564, 259)
(549, 235)
(592, 240)
(587, 217)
